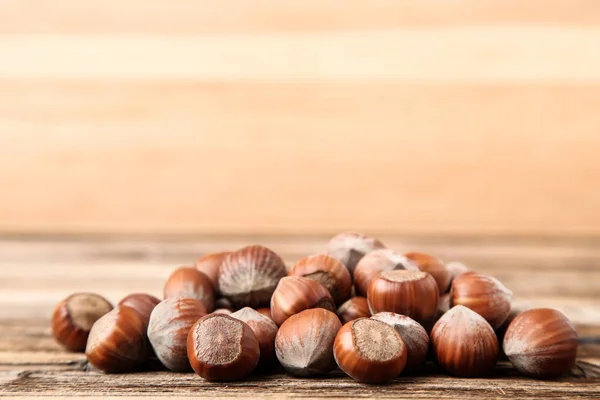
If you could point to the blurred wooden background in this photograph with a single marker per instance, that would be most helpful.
(312, 116)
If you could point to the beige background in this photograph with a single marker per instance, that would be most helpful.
(392, 117)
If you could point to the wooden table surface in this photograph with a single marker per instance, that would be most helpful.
(35, 273)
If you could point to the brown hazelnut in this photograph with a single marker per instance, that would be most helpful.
(168, 329)
(483, 294)
(369, 351)
(456, 268)
(222, 348)
(294, 294)
(142, 303)
(304, 342)
(412, 333)
(265, 330)
(406, 292)
(350, 247)
(376, 261)
(74, 316)
(464, 343)
(190, 283)
(329, 272)
(249, 276)
(117, 341)
(501, 331)
(356, 307)
(541, 343)
(210, 264)
(434, 267)
(266, 311)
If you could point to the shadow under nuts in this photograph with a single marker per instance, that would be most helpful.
(295, 294)
(464, 343)
(170, 323)
(117, 341)
(541, 343)
(304, 342)
(249, 276)
(369, 351)
(329, 272)
(73, 318)
(222, 348)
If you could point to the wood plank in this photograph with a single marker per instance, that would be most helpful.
(179, 157)
(183, 16)
(504, 383)
(465, 54)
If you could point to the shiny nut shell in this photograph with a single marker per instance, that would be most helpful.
(541, 343)
(222, 348)
(356, 307)
(190, 283)
(294, 294)
(350, 247)
(329, 272)
(117, 341)
(73, 318)
(376, 261)
(434, 267)
(249, 276)
(464, 343)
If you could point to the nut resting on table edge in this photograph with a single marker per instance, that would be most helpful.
(242, 312)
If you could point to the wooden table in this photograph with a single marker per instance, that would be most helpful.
(35, 273)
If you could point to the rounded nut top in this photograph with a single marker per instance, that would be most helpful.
(190, 283)
(74, 316)
(350, 247)
(541, 343)
(329, 272)
(464, 343)
(376, 261)
(249, 276)
(294, 294)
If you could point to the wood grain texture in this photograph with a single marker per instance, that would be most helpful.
(36, 272)
(457, 117)
(185, 16)
(261, 158)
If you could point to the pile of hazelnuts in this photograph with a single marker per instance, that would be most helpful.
(365, 308)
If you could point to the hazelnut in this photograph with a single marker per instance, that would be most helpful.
(190, 283)
(501, 331)
(117, 341)
(411, 293)
(413, 335)
(484, 295)
(464, 343)
(142, 303)
(222, 302)
(74, 316)
(329, 272)
(222, 348)
(369, 351)
(294, 294)
(541, 343)
(225, 311)
(265, 330)
(169, 325)
(356, 307)
(376, 261)
(266, 311)
(350, 247)
(249, 276)
(456, 268)
(304, 342)
(210, 264)
(434, 267)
